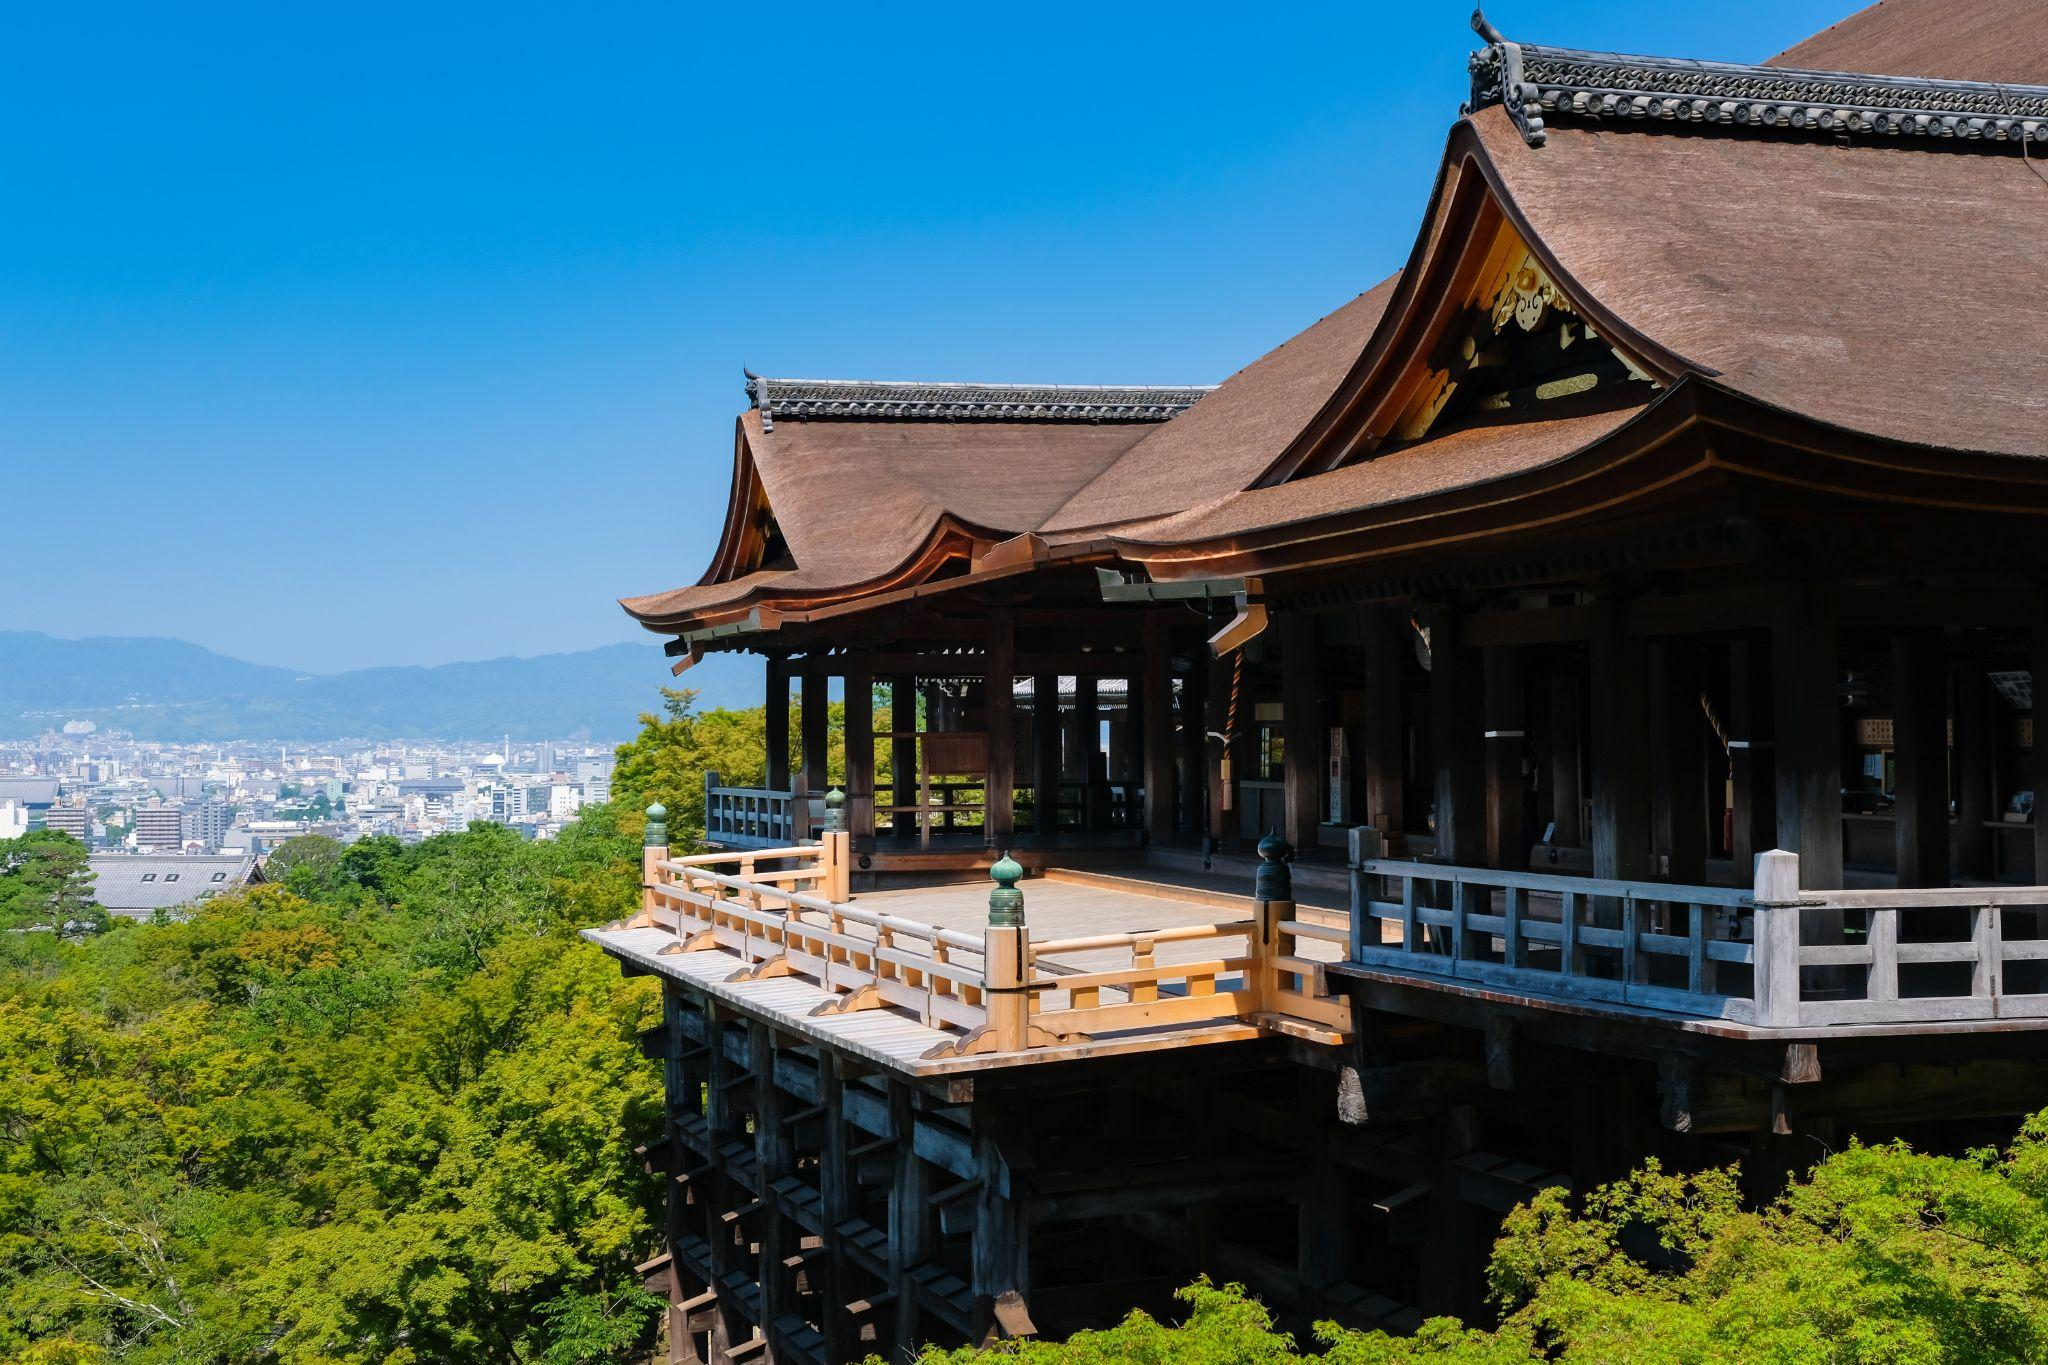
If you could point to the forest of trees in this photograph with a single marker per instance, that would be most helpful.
(383, 1109)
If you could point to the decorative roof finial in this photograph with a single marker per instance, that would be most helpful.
(1484, 29)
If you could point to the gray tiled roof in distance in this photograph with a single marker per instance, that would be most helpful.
(29, 791)
(812, 398)
(137, 884)
(1533, 82)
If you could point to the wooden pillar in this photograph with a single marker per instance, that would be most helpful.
(1976, 771)
(1157, 688)
(815, 725)
(773, 1158)
(903, 753)
(860, 750)
(2037, 757)
(776, 725)
(1920, 748)
(1620, 745)
(1219, 755)
(1387, 646)
(838, 1200)
(1001, 1256)
(1045, 755)
(1507, 833)
(1567, 792)
(1194, 749)
(1750, 755)
(1457, 736)
(1085, 757)
(1302, 707)
(998, 821)
(1806, 669)
(910, 1218)
(1679, 777)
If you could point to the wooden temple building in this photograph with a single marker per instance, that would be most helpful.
(1571, 704)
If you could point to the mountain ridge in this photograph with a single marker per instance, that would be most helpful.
(163, 688)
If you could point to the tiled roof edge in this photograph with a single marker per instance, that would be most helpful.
(811, 398)
(1534, 82)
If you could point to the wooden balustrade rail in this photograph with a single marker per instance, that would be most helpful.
(1772, 955)
(786, 912)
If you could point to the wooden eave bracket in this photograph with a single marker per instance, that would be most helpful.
(1029, 548)
(1249, 623)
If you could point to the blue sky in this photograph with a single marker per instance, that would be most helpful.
(346, 335)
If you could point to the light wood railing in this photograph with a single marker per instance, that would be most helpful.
(788, 912)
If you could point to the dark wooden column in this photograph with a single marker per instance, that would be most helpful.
(2037, 757)
(1045, 755)
(903, 752)
(815, 725)
(1920, 747)
(1679, 778)
(1387, 645)
(998, 822)
(1194, 749)
(1976, 774)
(1457, 734)
(860, 749)
(1806, 668)
(1222, 802)
(1620, 750)
(775, 736)
(1750, 755)
(1157, 687)
(1567, 799)
(1302, 704)
(1507, 832)
(1085, 759)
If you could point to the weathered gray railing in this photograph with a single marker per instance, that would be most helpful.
(1770, 955)
(749, 817)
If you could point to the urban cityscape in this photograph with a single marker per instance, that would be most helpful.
(172, 825)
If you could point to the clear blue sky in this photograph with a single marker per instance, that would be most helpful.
(347, 335)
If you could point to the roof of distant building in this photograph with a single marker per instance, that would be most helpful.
(138, 884)
(29, 791)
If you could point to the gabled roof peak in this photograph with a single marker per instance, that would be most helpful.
(1534, 82)
(884, 399)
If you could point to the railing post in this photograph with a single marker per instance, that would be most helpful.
(1367, 845)
(838, 856)
(653, 853)
(1273, 890)
(1776, 939)
(1005, 960)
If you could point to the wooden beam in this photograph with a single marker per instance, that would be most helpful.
(1302, 732)
(1194, 747)
(1388, 646)
(860, 750)
(1457, 734)
(1681, 749)
(1976, 765)
(2037, 757)
(902, 749)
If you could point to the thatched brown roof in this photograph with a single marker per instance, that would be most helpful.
(1960, 40)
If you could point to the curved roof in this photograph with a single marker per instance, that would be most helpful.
(859, 502)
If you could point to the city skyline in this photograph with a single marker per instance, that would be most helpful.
(353, 368)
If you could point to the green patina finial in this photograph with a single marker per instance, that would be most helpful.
(835, 810)
(1006, 902)
(657, 826)
(1274, 881)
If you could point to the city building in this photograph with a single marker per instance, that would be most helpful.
(1594, 612)
(32, 796)
(203, 823)
(160, 827)
(75, 821)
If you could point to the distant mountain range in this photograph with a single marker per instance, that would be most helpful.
(164, 689)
